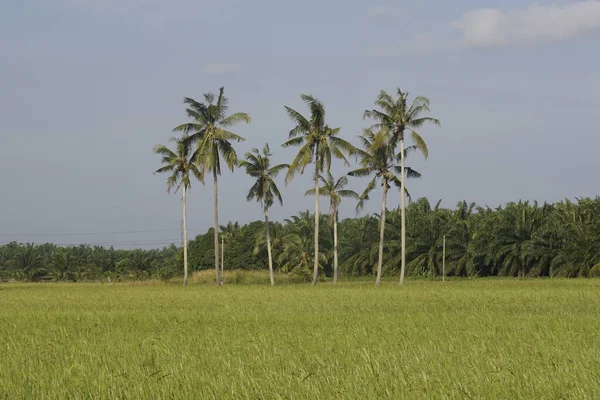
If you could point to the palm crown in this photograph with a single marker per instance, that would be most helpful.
(210, 131)
(258, 165)
(319, 142)
(179, 163)
(395, 117)
(378, 159)
(334, 189)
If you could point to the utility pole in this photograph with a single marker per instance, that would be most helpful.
(444, 260)
(222, 259)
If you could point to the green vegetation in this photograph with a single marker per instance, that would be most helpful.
(210, 133)
(463, 339)
(517, 240)
(180, 165)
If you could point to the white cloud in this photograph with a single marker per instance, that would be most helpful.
(377, 11)
(537, 23)
(222, 69)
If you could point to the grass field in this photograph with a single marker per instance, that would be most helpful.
(463, 339)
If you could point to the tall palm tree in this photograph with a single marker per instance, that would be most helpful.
(396, 117)
(180, 165)
(319, 143)
(264, 189)
(209, 130)
(335, 191)
(378, 159)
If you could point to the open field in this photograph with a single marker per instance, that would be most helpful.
(462, 339)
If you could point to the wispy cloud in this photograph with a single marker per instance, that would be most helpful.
(377, 11)
(222, 68)
(489, 27)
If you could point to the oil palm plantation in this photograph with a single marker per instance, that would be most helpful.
(264, 190)
(429, 225)
(396, 118)
(210, 132)
(180, 166)
(334, 189)
(378, 159)
(358, 249)
(318, 144)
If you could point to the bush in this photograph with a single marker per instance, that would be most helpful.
(249, 277)
(595, 271)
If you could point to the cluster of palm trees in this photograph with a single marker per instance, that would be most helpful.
(51, 262)
(516, 240)
(207, 142)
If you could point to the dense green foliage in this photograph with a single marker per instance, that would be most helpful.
(519, 239)
(482, 339)
(28, 262)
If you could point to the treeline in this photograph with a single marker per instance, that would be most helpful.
(49, 262)
(516, 240)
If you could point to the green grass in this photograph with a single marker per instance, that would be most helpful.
(463, 339)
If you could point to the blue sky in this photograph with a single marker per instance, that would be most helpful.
(88, 87)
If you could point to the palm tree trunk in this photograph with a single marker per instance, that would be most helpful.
(185, 241)
(402, 212)
(316, 260)
(335, 247)
(216, 225)
(268, 234)
(222, 259)
(381, 232)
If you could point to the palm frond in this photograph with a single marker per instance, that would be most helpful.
(235, 119)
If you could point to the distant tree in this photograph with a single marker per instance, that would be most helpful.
(264, 189)
(358, 245)
(334, 189)
(180, 165)
(377, 159)
(64, 265)
(318, 144)
(395, 117)
(209, 130)
(28, 261)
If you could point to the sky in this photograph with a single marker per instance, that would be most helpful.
(88, 87)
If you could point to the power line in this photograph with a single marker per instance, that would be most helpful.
(87, 233)
(120, 243)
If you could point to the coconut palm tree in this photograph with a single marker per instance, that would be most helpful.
(335, 191)
(318, 144)
(378, 159)
(396, 118)
(180, 165)
(209, 130)
(264, 190)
